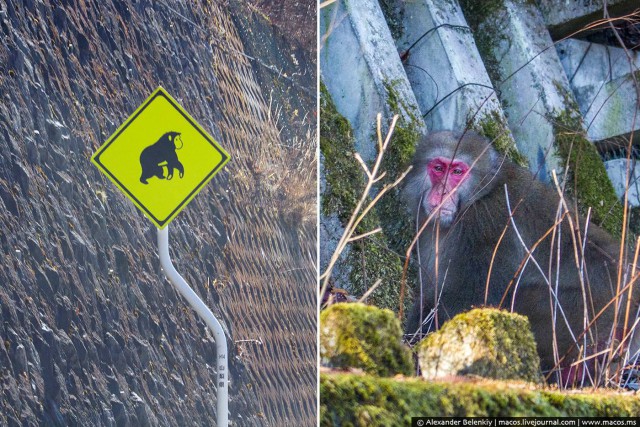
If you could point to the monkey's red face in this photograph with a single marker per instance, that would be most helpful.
(446, 177)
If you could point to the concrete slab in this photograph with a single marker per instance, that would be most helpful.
(523, 65)
(601, 79)
(565, 17)
(587, 63)
(358, 62)
(613, 110)
(445, 70)
(617, 171)
(362, 71)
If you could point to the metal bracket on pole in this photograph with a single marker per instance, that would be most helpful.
(222, 388)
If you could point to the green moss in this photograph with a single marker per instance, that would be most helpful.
(343, 397)
(485, 342)
(587, 177)
(361, 336)
(369, 258)
(397, 104)
(344, 177)
(494, 127)
(396, 160)
(390, 209)
(367, 415)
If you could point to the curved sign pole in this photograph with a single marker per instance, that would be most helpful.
(144, 170)
(222, 389)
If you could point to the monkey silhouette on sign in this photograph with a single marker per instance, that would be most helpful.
(162, 153)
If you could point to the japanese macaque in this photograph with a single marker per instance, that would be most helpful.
(497, 237)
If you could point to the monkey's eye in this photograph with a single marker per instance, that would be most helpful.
(457, 171)
(438, 168)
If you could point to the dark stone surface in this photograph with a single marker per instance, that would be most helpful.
(91, 333)
(296, 19)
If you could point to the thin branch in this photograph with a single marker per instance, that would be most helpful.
(363, 164)
(370, 290)
(362, 236)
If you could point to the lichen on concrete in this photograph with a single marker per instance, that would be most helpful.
(368, 259)
(587, 177)
(495, 128)
(396, 160)
(345, 180)
(355, 335)
(485, 342)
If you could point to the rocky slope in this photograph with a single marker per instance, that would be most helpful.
(91, 333)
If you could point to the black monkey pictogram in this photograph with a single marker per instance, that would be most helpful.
(161, 153)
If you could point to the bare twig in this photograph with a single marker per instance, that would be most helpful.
(370, 290)
(363, 235)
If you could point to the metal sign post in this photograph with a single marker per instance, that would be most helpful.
(160, 158)
(222, 391)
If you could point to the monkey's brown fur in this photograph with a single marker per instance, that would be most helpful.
(466, 248)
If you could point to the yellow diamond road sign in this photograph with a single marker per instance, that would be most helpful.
(160, 158)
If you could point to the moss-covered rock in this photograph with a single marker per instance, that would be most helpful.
(361, 336)
(364, 400)
(486, 342)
